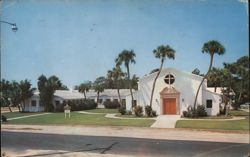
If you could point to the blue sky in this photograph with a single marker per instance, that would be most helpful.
(78, 40)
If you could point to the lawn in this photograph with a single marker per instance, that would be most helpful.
(81, 119)
(213, 124)
(238, 113)
(18, 114)
(102, 110)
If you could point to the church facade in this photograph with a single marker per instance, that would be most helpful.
(175, 90)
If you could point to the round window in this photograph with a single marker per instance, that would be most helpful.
(169, 79)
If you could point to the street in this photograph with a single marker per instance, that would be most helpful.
(20, 141)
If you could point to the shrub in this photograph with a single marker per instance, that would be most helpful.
(79, 104)
(138, 111)
(122, 110)
(111, 104)
(128, 112)
(4, 119)
(200, 111)
(149, 111)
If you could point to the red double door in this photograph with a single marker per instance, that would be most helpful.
(169, 106)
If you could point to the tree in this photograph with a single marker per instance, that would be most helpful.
(239, 72)
(25, 91)
(99, 85)
(127, 57)
(5, 90)
(215, 78)
(84, 87)
(47, 88)
(115, 76)
(162, 52)
(211, 47)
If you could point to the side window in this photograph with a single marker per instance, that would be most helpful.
(124, 102)
(33, 103)
(135, 102)
(209, 103)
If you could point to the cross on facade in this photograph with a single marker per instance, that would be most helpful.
(169, 79)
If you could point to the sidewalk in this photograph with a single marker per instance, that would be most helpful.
(134, 132)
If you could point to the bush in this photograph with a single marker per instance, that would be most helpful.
(200, 111)
(128, 112)
(4, 119)
(149, 111)
(138, 111)
(122, 110)
(78, 105)
(111, 104)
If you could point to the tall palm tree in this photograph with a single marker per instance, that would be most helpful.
(84, 87)
(127, 57)
(26, 91)
(162, 52)
(211, 47)
(116, 75)
(99, 86)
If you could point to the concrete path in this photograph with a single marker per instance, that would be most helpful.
(166, 121)
(89, 112)
(28, 116)
(112, 115)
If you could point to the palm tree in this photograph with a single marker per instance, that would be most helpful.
(84, 87)
(116, 75)
(26, 91)
(211, 47)
(99, 86)
(162, 52)
(127, 57)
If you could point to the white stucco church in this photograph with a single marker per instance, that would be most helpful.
(174, 91)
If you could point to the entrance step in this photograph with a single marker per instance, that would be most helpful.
(166, 121)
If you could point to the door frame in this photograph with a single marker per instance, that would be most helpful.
(170, 93)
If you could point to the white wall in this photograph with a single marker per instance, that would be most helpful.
(216, 100)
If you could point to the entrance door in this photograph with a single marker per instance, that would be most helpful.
(169, 106)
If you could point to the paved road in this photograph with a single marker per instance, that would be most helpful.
(19, 142)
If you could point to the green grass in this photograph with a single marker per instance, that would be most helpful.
(81, 119)
(102, 110)
(18, 114)
(131, 116)
(238, 113)
(213, 124)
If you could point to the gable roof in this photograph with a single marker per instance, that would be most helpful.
(166, 70)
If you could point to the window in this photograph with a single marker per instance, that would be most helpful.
(33, 103)
(100, 101)
(169, 79)
(108, 100)
(57, 102)
(209, 104)
(124, 102)
(135, 102)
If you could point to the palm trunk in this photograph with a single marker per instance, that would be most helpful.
(18, 107)
(152, 93)
(119, 96)
(210, 66)
(10, 108)
(215, 88)
(97, 98)
(23, 106)
(130, 88)
(84, 94)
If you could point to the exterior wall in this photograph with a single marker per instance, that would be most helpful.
(186, 84)
(30, 108)
(216, 100)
